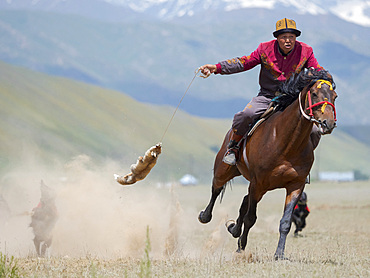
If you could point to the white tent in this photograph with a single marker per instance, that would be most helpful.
(188, 180)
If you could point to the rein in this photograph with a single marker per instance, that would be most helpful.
(324, 103)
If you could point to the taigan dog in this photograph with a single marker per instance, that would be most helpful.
(279, 154)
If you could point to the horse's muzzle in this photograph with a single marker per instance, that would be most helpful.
(326, 127)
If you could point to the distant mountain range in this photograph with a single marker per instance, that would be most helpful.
(351, 11)
(149, 51)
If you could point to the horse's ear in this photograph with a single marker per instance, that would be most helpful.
(309, 72)
(330, 77)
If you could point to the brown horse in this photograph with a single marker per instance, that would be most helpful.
(280, 153)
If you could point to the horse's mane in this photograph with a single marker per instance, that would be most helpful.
(290, 89)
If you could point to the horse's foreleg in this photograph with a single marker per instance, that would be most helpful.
(236, 228)
(291, 200)
(37, 244)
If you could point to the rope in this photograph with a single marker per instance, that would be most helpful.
(173, 115)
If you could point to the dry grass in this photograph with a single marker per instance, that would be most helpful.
(335, 243)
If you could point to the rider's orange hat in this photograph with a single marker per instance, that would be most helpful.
(286, 25)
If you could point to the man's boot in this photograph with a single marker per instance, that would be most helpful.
(232, 150)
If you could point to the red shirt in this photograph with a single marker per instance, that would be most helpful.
(275, 67)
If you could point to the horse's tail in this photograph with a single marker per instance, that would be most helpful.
(224, 189)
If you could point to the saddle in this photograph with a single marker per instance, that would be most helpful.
(271, 109)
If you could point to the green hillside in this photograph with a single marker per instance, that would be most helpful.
(56, 119)
(61, 118)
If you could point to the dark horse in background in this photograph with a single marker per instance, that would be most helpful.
(43, 219)
(279, 154)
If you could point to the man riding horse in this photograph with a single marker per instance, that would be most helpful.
(279, 60)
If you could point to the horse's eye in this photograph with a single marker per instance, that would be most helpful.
(314, 95)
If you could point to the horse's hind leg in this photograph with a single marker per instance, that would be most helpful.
(218, 183)
(206, 215)
(291, 200)
(222, 174)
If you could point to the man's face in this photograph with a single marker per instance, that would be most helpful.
(286, 41)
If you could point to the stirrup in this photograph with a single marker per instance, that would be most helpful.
(230, 157)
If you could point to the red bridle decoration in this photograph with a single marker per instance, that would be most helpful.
(323, 103)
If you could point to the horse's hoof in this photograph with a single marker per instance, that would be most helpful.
(231, 229)
(203, 218)
(229, 223)
(280, 257)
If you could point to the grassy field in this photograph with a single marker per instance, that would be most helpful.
(102, 232)
(102, 228)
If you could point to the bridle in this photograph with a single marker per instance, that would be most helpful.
(324, 103)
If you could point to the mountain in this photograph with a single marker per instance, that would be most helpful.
(50, 120)
(153, 59)
(96, 9)
(351, 11)
(123, 10)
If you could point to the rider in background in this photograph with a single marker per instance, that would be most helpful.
(43, 219)
(300, 213)
(279, 59)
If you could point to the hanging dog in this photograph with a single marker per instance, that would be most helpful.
(142, 167)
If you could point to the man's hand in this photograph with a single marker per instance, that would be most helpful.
(208, 69)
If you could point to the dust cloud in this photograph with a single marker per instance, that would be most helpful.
(98, 217)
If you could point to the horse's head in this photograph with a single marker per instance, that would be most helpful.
(318, 88)
(319, 104)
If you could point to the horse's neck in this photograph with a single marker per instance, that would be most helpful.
(297, 129)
